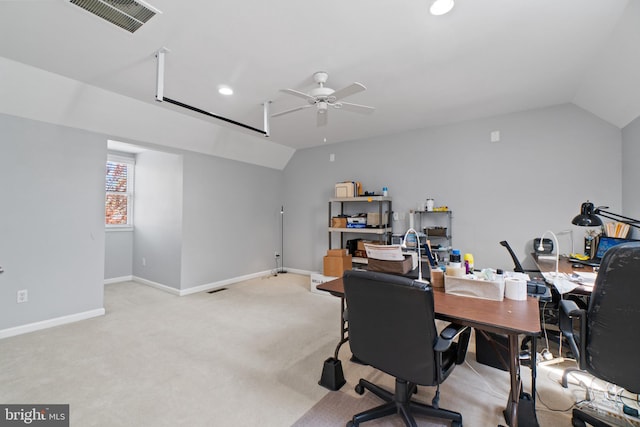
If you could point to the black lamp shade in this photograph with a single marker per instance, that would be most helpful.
(587, 217)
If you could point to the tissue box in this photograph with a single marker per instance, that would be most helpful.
(486, 289)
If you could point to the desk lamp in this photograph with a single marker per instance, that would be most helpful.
(404, 245)
(588, 216)
(541, 248)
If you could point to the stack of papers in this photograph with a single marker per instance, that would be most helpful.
(567, 282)
(384, 252)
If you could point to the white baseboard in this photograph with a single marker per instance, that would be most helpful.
(169, 289)
(44, 324)
(222, 283)
(212, 285)
(118, 279)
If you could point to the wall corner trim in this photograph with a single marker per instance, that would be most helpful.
(118, 280)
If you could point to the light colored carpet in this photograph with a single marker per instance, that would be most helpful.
(250, 355)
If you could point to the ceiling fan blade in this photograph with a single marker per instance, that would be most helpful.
(321, 118)
(353, 88)
(302, 107)
(299, 94)
(357, 108)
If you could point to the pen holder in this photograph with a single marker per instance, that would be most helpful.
(437, 278)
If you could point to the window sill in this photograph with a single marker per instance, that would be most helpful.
(119, 228)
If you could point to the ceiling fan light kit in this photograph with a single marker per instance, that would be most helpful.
(324, 97)
(441, 7)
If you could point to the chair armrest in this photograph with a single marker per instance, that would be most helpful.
(447, 337)
(568, 311)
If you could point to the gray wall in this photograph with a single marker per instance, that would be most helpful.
(118, 256)
(531, 181)
(199, 219)
(631, 172)
(202, 219)
(157, 239)
(51, 220)
(231, 219)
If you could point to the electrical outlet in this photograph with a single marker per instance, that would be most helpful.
(22, 296)
(276, 254)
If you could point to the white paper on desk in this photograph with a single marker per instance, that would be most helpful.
(384, 252)
(587, 278)
(562, 284)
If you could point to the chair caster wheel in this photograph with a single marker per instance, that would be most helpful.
(359, 389)
(350, 424)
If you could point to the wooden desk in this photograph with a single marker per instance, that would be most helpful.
(509, 317)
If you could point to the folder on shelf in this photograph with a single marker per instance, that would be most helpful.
(384, 252)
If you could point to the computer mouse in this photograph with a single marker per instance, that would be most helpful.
(576, 265)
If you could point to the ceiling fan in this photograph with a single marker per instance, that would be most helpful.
(323, 97)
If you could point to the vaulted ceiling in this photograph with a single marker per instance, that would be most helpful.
(484, 58)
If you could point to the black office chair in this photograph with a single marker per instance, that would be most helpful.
(517, 266)
(392, 328)
(608, 340)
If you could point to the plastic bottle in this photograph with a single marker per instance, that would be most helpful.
(468, 263)
(429, 205)
(454, 258)
(385, 191)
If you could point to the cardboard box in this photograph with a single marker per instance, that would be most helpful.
(436, 231)
(345, 189)
(339, 222)
(437, 278)
(391, 267)
(336, 262)
(337, 252)
(360, 244)
(373, 219)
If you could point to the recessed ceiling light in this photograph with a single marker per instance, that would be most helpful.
(225, 90)
(440, 7)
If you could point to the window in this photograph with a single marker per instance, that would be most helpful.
(119, 192)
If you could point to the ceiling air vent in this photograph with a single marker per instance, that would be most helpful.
(127, 14)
